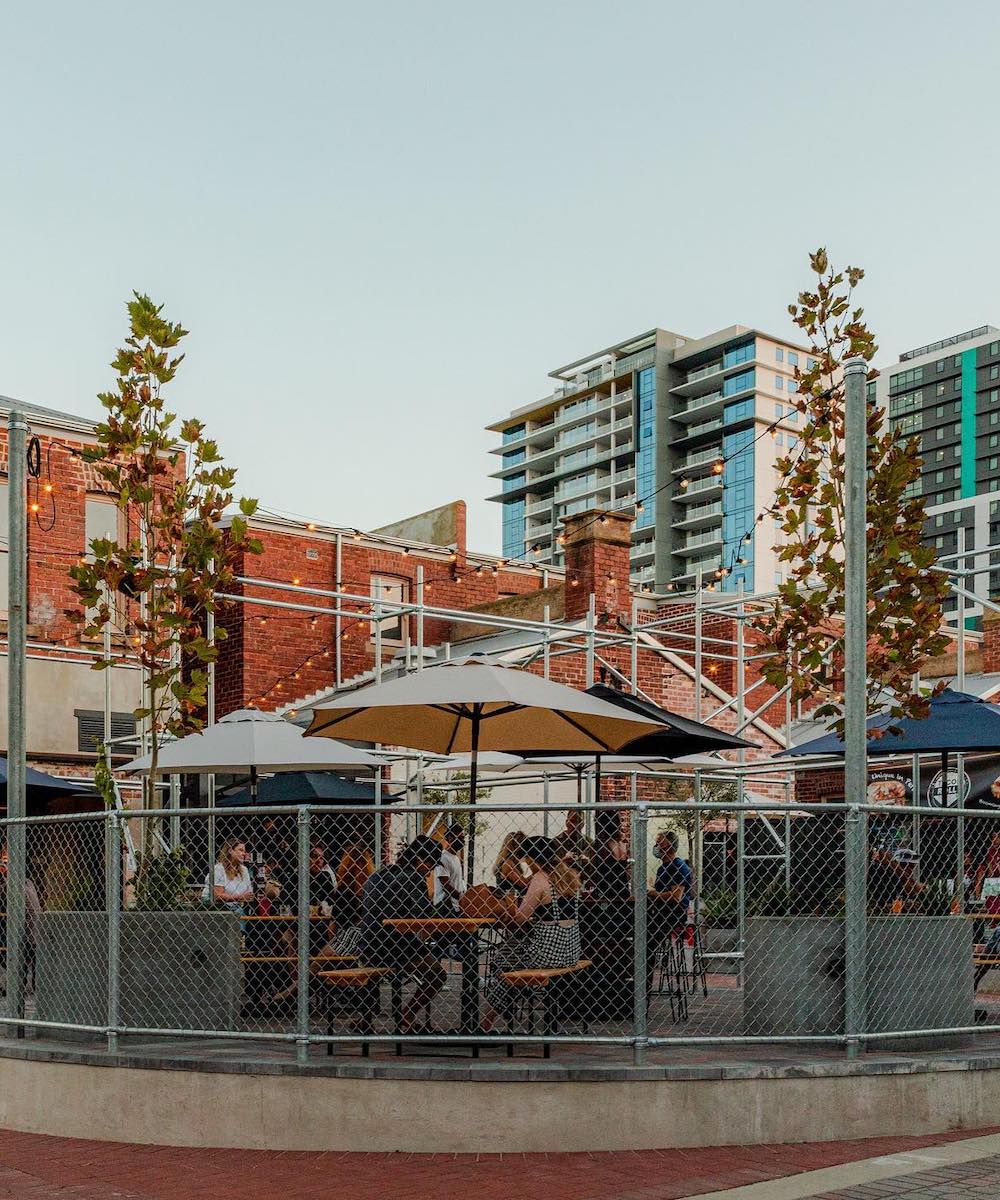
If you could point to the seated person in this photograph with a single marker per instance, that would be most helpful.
(449, 882)
(673, 879)
(400, 890)
(572, 844)
(507, 870)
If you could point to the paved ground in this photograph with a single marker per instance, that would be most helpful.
(975, 1179)
(33, 1167)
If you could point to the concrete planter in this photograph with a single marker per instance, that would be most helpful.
(717, 941)
(179, 970)
(919, 975)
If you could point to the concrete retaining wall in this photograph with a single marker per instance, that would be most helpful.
(289, 1111)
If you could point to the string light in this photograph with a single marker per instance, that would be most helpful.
(718, 467)
(357, 535)
(296, 581)
(48, 487)
(311, 526)
(685, 483)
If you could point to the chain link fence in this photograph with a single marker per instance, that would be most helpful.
(325, 928)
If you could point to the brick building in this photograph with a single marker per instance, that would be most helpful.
(68, 506)
(289, 661)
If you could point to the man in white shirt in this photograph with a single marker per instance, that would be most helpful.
(449, 884)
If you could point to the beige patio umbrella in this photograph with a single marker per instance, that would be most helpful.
(254, 741)
(477, 705)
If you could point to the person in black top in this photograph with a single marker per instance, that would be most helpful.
(400, 890)
(609, 874)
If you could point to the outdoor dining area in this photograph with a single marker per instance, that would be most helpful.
(473, 860)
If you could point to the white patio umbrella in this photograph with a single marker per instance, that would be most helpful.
(478, 705)
(254, 741)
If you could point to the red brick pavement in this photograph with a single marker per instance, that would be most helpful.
(34, 1167)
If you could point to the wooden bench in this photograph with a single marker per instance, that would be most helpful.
(363, 983)
(983, 963)
(542, 980)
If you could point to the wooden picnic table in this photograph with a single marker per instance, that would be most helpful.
(465, 932)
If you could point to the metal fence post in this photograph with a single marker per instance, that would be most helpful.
(302, 931)
(17, 616)
(855, 926)
(591, 652)
(855, 694)
(113, 898)
(639, 835)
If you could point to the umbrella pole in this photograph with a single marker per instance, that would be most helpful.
(253, 785)
(473, 779)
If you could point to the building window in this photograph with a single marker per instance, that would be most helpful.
(956, 384)
(905, 379)
(779, 354)
(513, 457)
(739, 354)
(939, 389)
(779, 383)
(939, 366)
(512, 434)
(101, 521)
(645, 450)
(739, 383)
(392, 590)
(995, 371)
(793, 358)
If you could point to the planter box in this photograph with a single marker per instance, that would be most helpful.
(715, 941)
(179, 970)
(919, 975)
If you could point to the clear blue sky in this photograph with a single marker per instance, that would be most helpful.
(384, 223)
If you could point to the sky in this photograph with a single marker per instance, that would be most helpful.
(384, 224)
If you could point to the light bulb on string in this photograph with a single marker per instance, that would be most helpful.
(685, 483)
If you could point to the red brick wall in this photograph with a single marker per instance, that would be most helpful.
(267, 647)
(56, 533)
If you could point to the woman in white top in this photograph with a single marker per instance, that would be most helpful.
(231, 883)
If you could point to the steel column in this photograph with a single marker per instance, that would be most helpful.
(855, 695)
(17, 616)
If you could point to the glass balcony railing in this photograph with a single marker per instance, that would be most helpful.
(701, 512)
(694, 540)
(694, 376)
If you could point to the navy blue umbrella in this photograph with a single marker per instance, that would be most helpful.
(957, 723)
(306, 787)
(41, 787)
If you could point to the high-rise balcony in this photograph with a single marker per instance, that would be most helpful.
(700, 514)
(695, 543)
(699, 489)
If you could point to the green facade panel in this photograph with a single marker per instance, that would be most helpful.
(968, 423)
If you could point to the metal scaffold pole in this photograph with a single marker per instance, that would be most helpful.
(855, 696)
(17, 605)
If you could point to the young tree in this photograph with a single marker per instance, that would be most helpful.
(803, 634)
(156, 583)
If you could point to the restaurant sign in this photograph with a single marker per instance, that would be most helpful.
(977, 786)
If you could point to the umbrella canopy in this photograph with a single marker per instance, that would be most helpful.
(249, 738)
(677, 735)
(957, 722)
(40, 787)
(478, 705)
(305, 787)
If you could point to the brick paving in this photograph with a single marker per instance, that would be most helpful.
(36, 1167)
(979, 1179)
